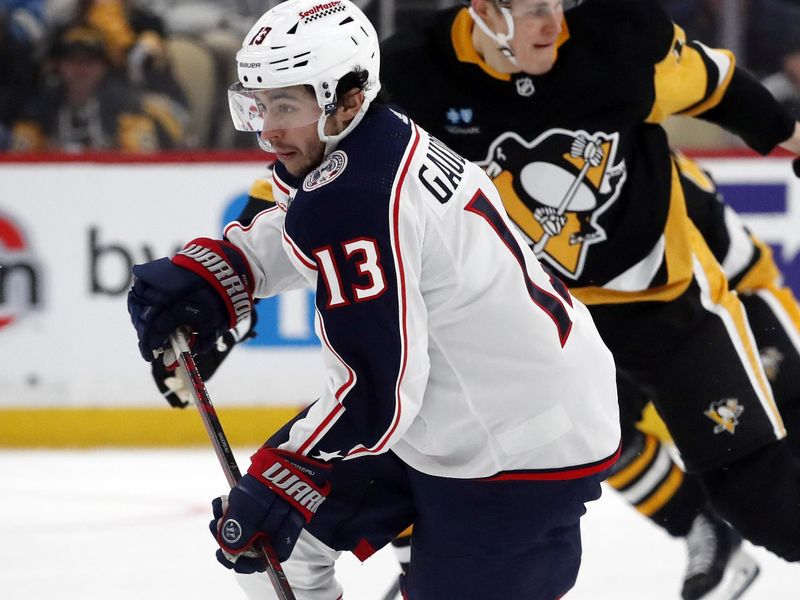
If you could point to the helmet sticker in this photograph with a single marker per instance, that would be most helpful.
(321, 10)
(260, 36)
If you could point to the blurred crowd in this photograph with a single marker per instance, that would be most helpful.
(149, 75)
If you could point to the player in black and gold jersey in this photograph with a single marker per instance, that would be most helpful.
(564, 110)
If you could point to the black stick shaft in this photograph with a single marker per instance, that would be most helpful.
(222, 448)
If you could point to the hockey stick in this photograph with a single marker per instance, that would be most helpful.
(188, 369)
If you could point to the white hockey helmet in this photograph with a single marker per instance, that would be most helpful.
(305, 42)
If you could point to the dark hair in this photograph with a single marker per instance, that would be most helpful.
(356, 79)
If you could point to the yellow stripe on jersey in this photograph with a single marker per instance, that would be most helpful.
(677, 253)
(637, 467)
(681, 79)
(788, 302)
(763, 274)
(724, 302)
(663, 494)
(461, 36)
(652, 423)
(726, 63)
(262, 190)
(406, 532)
(692, 171)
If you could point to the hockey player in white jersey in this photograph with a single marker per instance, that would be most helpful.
(465, 389)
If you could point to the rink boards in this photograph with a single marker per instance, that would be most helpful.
(70, 373)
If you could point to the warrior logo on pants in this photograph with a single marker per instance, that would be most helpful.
(555, 189)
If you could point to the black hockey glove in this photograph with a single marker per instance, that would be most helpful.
(173, 387)
(206, 287)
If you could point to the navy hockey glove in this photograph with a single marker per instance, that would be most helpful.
(273, 502)
(173, 387)
(207, 287)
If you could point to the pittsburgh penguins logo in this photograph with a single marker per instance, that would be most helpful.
(556, 188)
(771, 358)
(725, 414)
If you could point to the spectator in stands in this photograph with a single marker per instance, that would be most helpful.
(136, 46)
(211, 31)
(22, 32)
(84, 107)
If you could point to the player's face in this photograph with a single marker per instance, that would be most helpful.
(537, 24)
(290, 127)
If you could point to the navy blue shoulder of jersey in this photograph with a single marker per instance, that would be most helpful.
(342, 220)
(355, 180)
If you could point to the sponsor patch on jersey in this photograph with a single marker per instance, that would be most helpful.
(460, 121)
(330, 169)
(725, 413)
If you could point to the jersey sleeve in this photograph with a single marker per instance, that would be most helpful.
(690, 79)
(258, 233)
(697, 81)
(371, 321)
(259, 198)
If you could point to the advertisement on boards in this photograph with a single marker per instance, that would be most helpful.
(69, 234)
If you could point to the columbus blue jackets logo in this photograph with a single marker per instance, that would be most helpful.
(20, 284)
(330, 169)
(725, 414)
(556, 189)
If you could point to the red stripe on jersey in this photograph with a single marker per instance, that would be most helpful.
(307, 262)
(280, 185)
(343, 389)
(236, 224)
(402, 297)
(558, 474)
(326, 422)
(363, 550)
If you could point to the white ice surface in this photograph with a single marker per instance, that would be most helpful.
(125, 525)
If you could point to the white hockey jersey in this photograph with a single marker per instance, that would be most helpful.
(443, 338)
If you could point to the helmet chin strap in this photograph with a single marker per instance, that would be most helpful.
(332, 141)
(503, 40)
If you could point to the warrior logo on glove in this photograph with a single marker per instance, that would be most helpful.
(231, 531)
(230, 280)
(303, 493)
